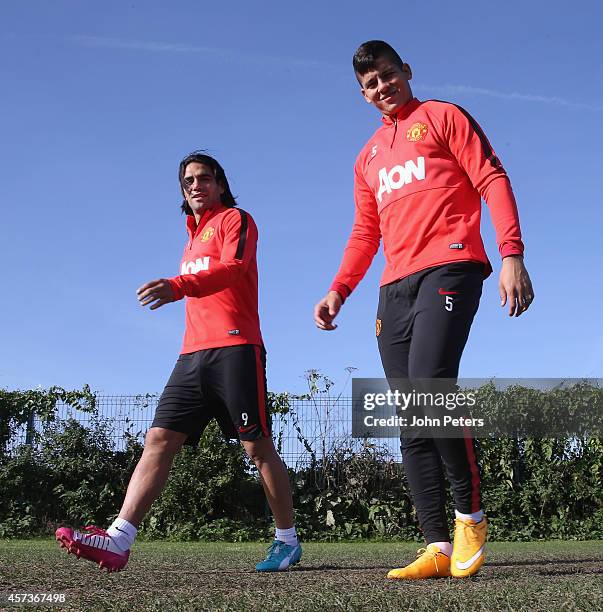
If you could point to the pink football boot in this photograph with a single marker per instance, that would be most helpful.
(95, 546)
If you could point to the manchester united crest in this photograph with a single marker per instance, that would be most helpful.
(207, 234)
(417, 131)
(377, 327)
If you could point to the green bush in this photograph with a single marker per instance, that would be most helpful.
(73, 476)
(543, 488)
(533, 488)
(18, 408)
(88, 477)
(353, 493)
(24, 498)
(210, 494)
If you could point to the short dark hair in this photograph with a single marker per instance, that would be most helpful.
(201, 157)
(368, 53)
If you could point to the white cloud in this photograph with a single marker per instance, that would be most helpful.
(502, 95)
(260, 59)
(226, 54)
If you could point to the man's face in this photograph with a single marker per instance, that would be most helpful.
(200, 188)
(386, 87)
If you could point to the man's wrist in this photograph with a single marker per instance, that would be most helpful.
(177, 289)
(342, 290)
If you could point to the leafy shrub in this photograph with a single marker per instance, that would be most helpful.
(73, 476)
(88, 477)
(353, 493)
(210, 490)
(532, 487)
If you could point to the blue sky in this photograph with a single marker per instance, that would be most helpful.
(101, 101)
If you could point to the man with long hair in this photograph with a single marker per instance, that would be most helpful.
(219, 374)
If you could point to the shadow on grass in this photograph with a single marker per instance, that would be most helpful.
(386, 567)
(577, 572)
(542, 562)
(328, 568)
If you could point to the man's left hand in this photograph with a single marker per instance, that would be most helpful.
(515, 286)
(157, 293)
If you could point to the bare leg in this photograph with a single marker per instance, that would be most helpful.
(151, 472)
(275, 479)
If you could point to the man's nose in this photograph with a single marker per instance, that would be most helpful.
(382, 85)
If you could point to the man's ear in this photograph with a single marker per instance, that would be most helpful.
(406, 69)
(366, 99)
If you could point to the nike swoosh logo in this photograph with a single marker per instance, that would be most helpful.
(463, 565)
(444, 292)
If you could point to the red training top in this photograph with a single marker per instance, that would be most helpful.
(418, 183)
(219, 277)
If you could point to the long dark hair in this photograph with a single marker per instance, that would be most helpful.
(201, 157)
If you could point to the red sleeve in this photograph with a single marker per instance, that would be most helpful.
(239, 236)
(474, 153)
(363, 242)
(503, 210)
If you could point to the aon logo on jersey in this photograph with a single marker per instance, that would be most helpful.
(192, 267)
(400, 175)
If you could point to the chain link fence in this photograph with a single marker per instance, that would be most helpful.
(311, 428)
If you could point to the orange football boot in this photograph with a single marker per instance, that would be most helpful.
(431, 562)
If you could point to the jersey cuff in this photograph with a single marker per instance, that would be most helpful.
(343, 290)
(507, 250)
(176, 288)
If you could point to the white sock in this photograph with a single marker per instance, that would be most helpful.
(475, 516)
(445, 547)
(122, 533)
(288, 536)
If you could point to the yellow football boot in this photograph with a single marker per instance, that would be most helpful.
(431, 562)
(468, 552)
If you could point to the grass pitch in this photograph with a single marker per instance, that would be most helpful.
(349, 576)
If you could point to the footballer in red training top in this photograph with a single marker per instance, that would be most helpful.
(418, 185)
(220, 373)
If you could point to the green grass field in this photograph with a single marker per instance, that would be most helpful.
(350, 576)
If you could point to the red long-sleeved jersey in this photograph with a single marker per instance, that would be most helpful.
(219, 277)
(418, 183)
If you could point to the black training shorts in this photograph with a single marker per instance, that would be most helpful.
(228, 384)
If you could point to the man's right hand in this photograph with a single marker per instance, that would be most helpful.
(157, 293)
(326, 310)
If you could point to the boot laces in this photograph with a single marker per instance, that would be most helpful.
(470, 532)
(94, 530)
(274, 549)
(96, 537)
(423, 552)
